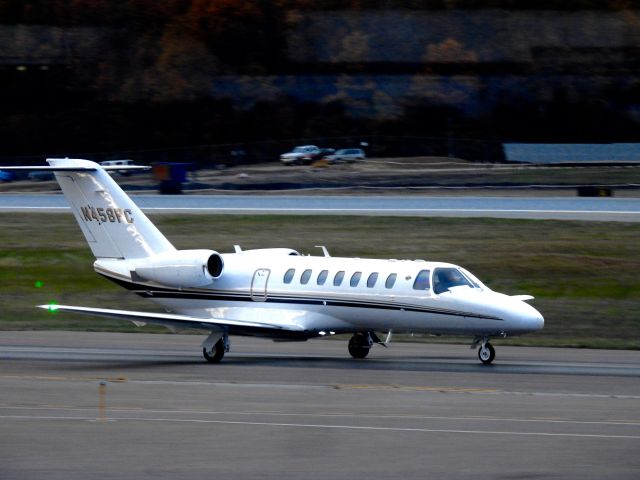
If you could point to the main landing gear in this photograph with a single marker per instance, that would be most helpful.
(486, 352)
(215, 346)
(361, 343)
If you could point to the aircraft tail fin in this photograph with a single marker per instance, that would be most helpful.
(111, 222)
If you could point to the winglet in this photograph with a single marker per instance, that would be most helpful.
(524, 298)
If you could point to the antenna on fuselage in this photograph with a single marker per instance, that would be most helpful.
(324, 250)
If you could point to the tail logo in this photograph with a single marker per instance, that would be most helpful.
(104, 215)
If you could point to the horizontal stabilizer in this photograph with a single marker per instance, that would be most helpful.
(48, 168)
(173, 320)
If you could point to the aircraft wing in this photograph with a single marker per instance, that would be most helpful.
(172, 320)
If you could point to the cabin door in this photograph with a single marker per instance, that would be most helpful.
(259, 285)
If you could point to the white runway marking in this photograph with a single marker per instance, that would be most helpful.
(319, 426)
(329, 415)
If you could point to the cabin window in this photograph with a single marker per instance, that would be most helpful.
(371, 281)
(391, 280)
(422, 280)
(355, 279)
(337, 280)
(322, 277)
(288, 276)
(445, 278)
(304, 278)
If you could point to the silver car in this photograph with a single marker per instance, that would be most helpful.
(346, 155)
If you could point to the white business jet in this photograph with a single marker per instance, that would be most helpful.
(276, 292)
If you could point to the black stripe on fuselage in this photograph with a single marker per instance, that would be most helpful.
(164, 292)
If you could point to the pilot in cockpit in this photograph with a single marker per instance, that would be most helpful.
(446, 278)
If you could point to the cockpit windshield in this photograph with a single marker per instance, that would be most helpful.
(446, 277)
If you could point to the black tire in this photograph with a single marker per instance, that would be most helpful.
(218, 352)
(359, 346)
(486, 354)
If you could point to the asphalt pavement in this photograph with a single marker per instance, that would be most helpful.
(101, 405)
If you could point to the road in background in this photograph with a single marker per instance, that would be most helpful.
(550, 208)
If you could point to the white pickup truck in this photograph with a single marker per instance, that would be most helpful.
(304, 154)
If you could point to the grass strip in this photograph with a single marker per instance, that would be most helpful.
(583, 274)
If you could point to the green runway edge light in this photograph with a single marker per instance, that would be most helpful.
(39, 284)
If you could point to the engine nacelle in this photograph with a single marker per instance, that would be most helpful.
(272, 252)
(182, 268)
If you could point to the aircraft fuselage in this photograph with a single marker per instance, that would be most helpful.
(322, 295)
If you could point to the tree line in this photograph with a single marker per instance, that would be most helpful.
(148, 87)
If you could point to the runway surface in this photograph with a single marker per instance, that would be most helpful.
(559, 208)
(282, 410)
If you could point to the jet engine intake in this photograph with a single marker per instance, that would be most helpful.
(215, 265)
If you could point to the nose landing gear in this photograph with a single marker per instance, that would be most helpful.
(486, 353)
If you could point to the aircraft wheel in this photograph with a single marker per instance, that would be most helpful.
(359, 346)
(486, 353)
(218, 352)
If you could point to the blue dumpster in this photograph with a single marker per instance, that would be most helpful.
(171, 176)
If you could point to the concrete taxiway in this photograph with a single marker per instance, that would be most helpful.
(283, 410)
(546, 208)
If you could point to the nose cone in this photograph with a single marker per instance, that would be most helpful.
(523, 318)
